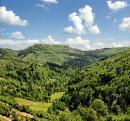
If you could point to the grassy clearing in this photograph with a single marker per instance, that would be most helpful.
(4, 118)
(40, 106)
(23, 114)
(56, 96)
(34, 106)
(113, 51)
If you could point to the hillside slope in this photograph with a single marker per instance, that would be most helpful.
(64, 55)
(100, 91)
(59, 55)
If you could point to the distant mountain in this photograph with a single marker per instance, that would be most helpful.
(101, 91)
(94, 85)
(5, 52)
(42, 53)
(64, 55)
(40, 63)
(60, 55)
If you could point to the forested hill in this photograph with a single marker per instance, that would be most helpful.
(59, 83)
(64, 55)
(100, 91)
(60, 55)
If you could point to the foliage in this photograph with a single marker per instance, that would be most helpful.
(59, 83)
(99, 106)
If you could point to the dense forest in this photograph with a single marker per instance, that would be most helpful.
(59, 83)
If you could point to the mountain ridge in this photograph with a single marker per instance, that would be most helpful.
(62, 55)
(93, 87)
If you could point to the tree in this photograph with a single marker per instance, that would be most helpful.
(100, 107)
(88, 114)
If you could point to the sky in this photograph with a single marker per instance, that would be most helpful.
(82, 24)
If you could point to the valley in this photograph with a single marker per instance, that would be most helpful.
(59, 83)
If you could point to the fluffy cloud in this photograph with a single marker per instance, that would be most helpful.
(111, 44)
(9, 17)
(125, 25)
(45, 3)
(108, 44)
(19, 41)
(49, 40)
(78, 42)
(85, 18)
(10, 43)
(85, 44)
(50, 1)
(87, 15)
(118, 5)
(17, 35)
(78, 27)
(94, 29)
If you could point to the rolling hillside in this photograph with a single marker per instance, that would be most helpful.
(64, 55)
(59, 55)
(101, 91)
(48, 86)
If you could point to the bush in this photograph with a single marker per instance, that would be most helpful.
(24, 108)
(4, 109)
(100, 107)
(88, 114)
(40, 114)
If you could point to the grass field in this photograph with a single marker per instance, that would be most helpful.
(34, 106)
(40, 106)
(4, 118)
(113, 51)
(56, 96)
(23, 114)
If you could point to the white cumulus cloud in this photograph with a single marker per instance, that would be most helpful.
(46, 3)
(85, 18)
(78, 28)
(125, 25)
(19, 41)
(85, 44)
(50, 1)
(14, 44)
(78, 42)
(17, 35)
(50, 40)
(87, 15)
(9, 17)
(118, 5)
(94, 29)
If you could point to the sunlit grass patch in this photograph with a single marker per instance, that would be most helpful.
(57, 96)
(1, 78)
(34, 106)
(4, 118)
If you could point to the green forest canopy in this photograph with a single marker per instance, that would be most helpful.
(95, 85)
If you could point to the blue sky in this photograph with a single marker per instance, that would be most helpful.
(84, 24)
